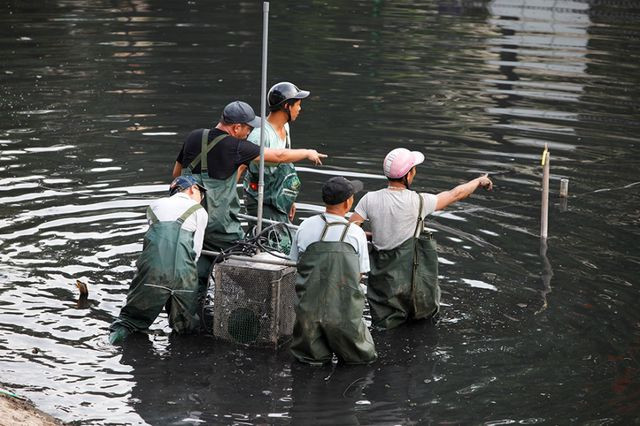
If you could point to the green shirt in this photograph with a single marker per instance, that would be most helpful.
(271, 140)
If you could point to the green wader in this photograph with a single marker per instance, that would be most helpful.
(222, 204)
(403, 282)
(281, 188)
(330, 305)
(167, 277)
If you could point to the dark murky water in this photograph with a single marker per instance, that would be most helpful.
(97, 96)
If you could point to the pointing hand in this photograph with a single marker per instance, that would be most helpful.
(315, 157)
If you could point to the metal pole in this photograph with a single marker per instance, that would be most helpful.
(263, 112)
(269, 221)
(544, 218)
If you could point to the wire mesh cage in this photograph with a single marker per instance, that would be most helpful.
(254, 302)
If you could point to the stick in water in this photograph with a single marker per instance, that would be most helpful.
(544, 218)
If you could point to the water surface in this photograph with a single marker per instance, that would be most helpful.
(97, 97)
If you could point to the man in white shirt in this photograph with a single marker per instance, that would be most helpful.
(310, 231)
(170, 208)
(332, 256)
(167, 276)
(403, 283)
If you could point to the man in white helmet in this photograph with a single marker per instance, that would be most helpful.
(403, 282)
(281, 182)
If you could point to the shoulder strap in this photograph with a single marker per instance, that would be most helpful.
(205, 148)
(420, 221)
(152, 215)
(326, 227)
(188, 213)
(328, 224)
(344, 233)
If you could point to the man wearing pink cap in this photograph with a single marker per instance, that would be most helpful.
(403, 282)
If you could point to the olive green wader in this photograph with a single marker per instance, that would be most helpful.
(403, 282)
(167, 277)
(330, 304)
(222, 204)
(281, 188)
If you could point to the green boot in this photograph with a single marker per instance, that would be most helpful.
(118, 334)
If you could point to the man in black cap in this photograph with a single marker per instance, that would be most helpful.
(331, 256)
(213, 157)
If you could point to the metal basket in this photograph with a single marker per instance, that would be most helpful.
(254, 302)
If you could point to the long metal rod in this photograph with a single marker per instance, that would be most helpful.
(263, 112)
(544, 214)
(269, 221)
(283, 262)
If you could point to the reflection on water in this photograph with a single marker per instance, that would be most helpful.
(96, 98)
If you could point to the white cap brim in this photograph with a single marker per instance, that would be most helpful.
(418, 157)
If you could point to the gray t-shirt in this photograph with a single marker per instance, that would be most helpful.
(393, 214)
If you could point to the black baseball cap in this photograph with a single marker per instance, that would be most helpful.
(240, 112)
(338, 189)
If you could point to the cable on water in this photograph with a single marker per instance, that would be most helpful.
(267, 241)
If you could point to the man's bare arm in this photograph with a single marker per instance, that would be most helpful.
(461, 192)
(356, 218)
(291, 156)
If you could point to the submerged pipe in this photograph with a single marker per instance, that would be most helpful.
(564, 188)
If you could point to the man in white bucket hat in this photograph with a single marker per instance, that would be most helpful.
(403, 282)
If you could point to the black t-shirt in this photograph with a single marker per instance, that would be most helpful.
(224, 159)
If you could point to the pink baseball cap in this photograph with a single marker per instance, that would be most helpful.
(399, 161)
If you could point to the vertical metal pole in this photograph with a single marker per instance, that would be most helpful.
(544, 218)
(263, 112)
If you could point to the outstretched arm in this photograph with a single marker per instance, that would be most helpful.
(461, 192)
(291, 156)
(356, 218)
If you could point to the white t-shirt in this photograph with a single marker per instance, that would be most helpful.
(310, 231)
(169, 209)
(393, 214)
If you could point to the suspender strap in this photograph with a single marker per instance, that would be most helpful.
(326, 227)
(205, 150)
(328, 224)
(152, 215)
(420, 221)
(344, 233)
(189, 212)
(154, 219)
